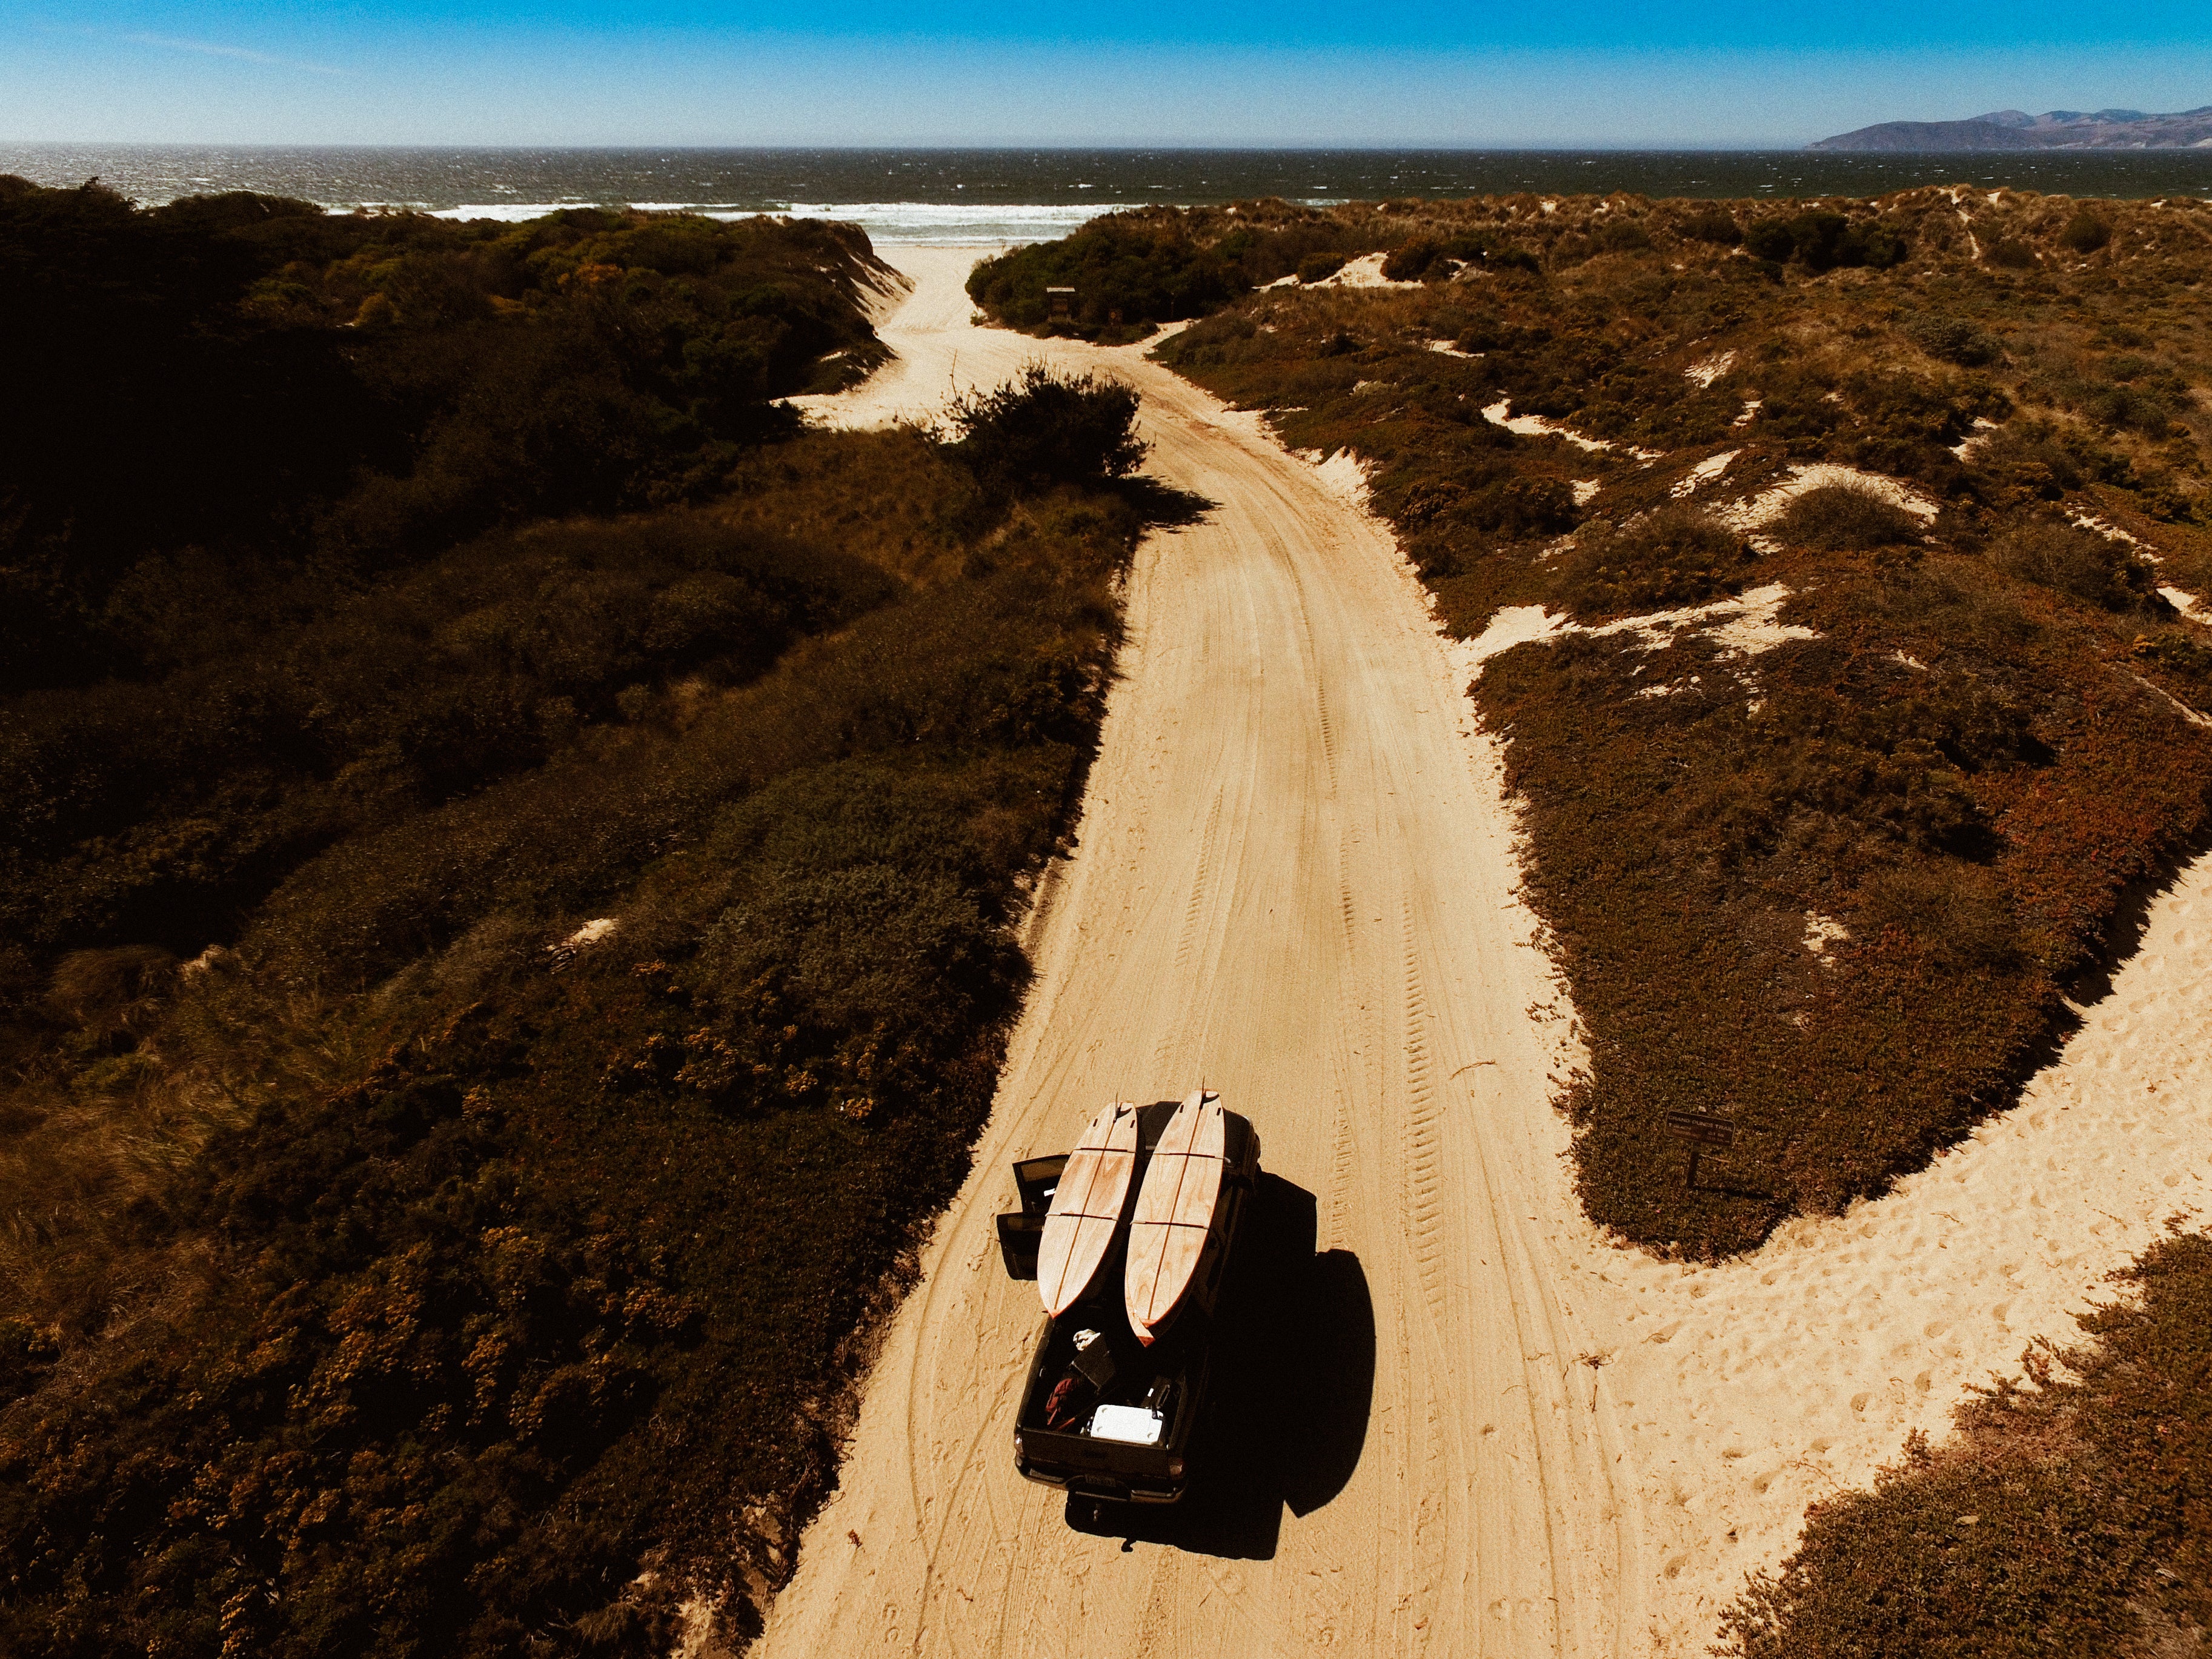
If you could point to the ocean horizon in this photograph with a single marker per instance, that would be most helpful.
(983, 196)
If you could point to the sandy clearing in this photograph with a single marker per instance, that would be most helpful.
(2106, 528)
(1365, 271)
(1540, 426)
(1707, 370)
(1297, 874)
(1703, 473)
(1768, 504)
(1743, 625)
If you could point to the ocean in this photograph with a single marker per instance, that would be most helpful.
(991, 196)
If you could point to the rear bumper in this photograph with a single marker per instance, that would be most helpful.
(1111, 1488)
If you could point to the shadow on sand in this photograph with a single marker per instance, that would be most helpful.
(1293, 1376)
(1163, 505)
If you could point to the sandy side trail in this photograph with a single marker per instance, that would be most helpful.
(1296, 878)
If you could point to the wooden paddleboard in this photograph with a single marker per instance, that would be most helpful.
(1086, 1208)
(1176, 1213)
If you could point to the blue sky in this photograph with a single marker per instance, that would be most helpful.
(1219, 71)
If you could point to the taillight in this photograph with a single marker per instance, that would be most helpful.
(1174, 1468)
(1020, 1455)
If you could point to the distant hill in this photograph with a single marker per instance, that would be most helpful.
(2058, 129)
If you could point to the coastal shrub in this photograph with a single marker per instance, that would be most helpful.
(2033, 457)
(2126, 403)
(521, 371)
(2086, 231)
(1044, 428)
(1621, 236)
(1320, 267)
(2073, 560)
(1955, 911)
(1847, 515)
(1714, 224)
(1431, 258)
(1955, 340)
(1517, 507)
(1825, 240)
(1410, 262)
(2181, 659)
(1771, 238)
(1123, 266)
(1670, 557)
(2010, 253)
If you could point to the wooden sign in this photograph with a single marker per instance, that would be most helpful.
(1702, 1127)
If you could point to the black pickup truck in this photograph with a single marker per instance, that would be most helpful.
(1102, 1414)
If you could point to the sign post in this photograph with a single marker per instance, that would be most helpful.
(1701, 1130)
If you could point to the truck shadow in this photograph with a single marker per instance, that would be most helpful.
(1293, 1381)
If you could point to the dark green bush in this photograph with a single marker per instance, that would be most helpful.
(2009, 253)
(2120, 406)
(1320, 267)
(2185, 658)
(1824, 240)
(1847, 515)
(1410, 262)
(1621, 236)
(2086, 231)
(1122, 264)
(1955, 340)
(1045, 428)
(1433, 258)
(521, 370)
(1771, 238)
(1714, 224)
(2031, 457)
(1957, 912)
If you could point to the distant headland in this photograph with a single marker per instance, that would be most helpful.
(2058, 129)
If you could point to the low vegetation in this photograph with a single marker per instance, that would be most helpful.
(2067, 1515)
(1826, 859)
(1128, 272)
(499, 961)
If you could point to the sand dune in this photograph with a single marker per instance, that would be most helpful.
(1297, 877)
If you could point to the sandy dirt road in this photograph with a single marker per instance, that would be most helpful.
(1293, 884)
(1296, 877)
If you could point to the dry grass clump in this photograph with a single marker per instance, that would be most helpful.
(1840, 517)
(1666, 558)
(1955, 340)
(1958, 912)
(2073, 560)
